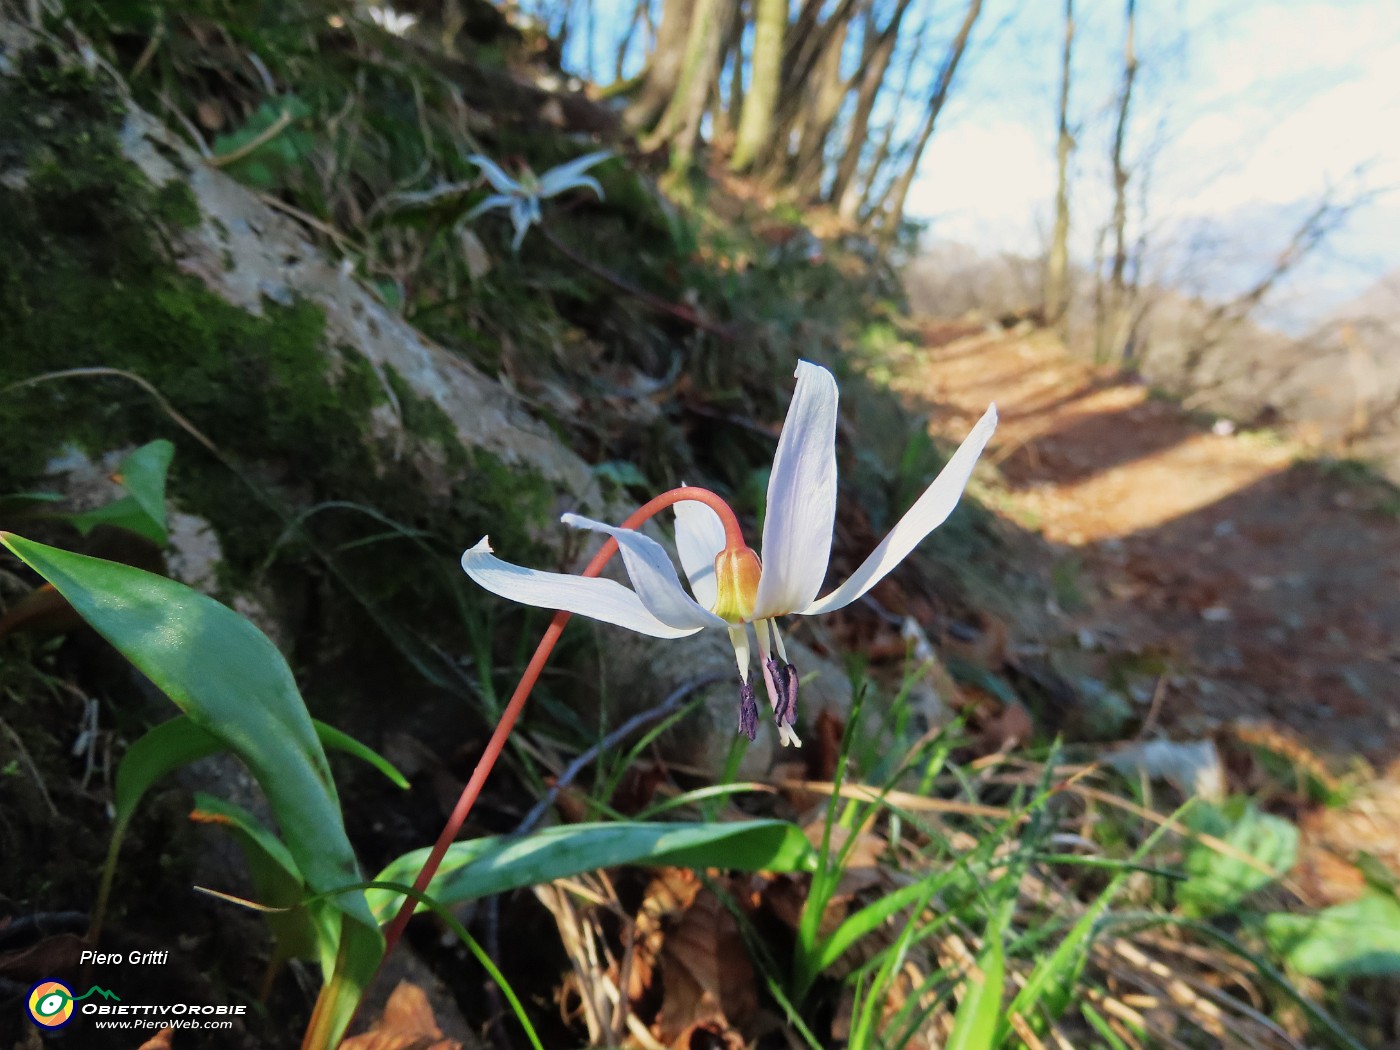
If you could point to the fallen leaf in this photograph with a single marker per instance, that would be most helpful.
(710, 1035)
(669, 893)
(406, 1024)
(705, 971)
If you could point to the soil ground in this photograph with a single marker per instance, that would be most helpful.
(1268, 582)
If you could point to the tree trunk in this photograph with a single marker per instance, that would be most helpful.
(1111, 337)
(1120, 172)
(876, 52)
(756, 120)
(856, 201)
(679, 126)
(824, 98)
(620, 58)
(1057, 264)
(806, 45)
(663, 72)
(893, 208)
(722, 110)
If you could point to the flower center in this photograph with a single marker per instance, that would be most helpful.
(737, 570)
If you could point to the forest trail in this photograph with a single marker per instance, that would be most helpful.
(1268, 585)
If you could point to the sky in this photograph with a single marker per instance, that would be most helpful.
(1246, 115)
(1251, 111)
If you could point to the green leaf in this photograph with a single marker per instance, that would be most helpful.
(179, 741)
(1217, 881)
(160, 751)
(975, 1023)
(279, 140)
(337, 740)
(486, 866)
(276, 882)
(142, 510)
(231, 681)
(124, 513)
(1358, 939)
(143, 474)
(620, 472)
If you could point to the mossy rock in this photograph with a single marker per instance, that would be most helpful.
(206, 312)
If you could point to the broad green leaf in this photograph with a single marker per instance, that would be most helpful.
(620, 472)
(1217, 881)
(975, 1023)
(142, 474)
(161, 750)
(231, 681)
(276, 882)
(1358, 939)
(124, 513)
(486, 866)
(270, 147)
(142, 510)
(180, 740)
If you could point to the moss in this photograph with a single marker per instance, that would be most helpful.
(490, 494)
(86, 281)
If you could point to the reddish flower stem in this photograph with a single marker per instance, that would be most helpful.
(734, 538)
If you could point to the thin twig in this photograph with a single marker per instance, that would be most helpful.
(671, 704)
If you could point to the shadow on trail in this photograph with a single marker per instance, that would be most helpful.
(1281, 601)
(1086, 445)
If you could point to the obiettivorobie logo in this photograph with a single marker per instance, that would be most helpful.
(50, 1003)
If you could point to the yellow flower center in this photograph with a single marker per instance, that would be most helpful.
(737, 570)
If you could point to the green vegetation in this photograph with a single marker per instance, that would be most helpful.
(896, 884)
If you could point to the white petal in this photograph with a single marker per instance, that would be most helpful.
(931, 510)
(699, 538)
(653, 576)
(520, 219)
(801, 498)
(605, 600)
(571, 175)
(496, 200)
(495, 174)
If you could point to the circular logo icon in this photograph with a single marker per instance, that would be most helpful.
(50, 1004)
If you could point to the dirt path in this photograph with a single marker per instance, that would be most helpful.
(1270, 587)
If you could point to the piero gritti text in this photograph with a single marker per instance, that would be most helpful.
(133, 958)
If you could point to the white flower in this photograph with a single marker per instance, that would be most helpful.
(522, 196)
(730, 588)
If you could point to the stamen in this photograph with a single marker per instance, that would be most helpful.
(748, 710)
(784, 693)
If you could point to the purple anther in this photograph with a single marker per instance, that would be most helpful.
(748, 710)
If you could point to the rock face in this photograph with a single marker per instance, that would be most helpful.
(249, 254)
(292, 394)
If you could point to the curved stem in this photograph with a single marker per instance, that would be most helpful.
(734, 537)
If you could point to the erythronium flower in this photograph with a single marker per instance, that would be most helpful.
(522, 196)
(730, 587)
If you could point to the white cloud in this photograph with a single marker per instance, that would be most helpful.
(985, 184)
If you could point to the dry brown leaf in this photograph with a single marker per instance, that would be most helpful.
(407, 1024)
(706, 972)
(823, 753)
(862, 869)
(710, 1035)
(638, 788)
(669, 893)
